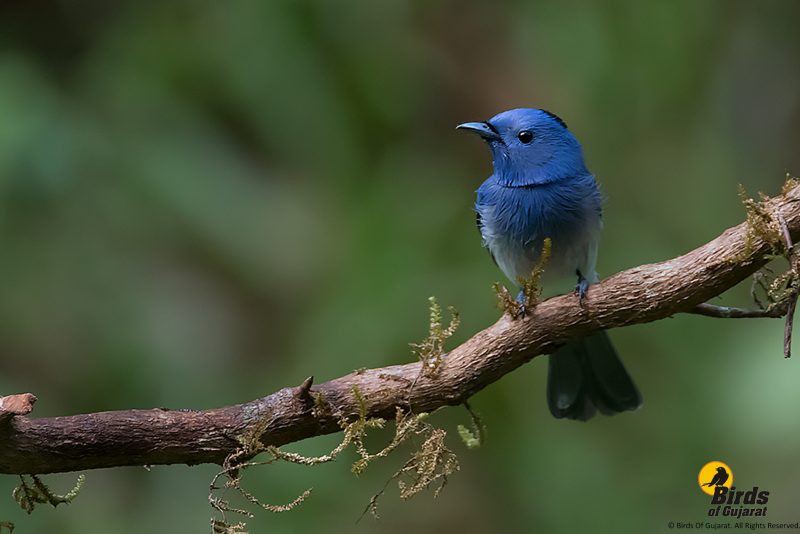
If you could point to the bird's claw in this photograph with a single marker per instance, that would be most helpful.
(581, 288)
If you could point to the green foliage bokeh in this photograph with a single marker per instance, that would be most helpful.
(202, 202)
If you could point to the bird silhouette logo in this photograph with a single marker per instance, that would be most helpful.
(719, 478)
(714, 474)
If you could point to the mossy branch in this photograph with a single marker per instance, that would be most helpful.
(638, 295)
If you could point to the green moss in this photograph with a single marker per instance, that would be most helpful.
(764, 225)
(28, 495)
(505, 301)
(474, 436)
(432, 463)
(322, 408)
(790, 183)
(431, 349)
(531, 287)
(761, 225)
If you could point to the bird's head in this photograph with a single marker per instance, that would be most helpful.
(530, 147)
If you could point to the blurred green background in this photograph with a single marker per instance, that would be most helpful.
(203, 202)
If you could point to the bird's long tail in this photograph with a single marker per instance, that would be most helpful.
(586, 375)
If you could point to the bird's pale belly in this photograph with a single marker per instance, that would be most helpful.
(570, 252)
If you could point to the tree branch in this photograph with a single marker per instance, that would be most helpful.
(791, 303)
(729, 312)
(160, 436)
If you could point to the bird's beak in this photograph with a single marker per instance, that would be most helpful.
(484, 129)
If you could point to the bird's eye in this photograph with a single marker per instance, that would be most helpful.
(525, 136)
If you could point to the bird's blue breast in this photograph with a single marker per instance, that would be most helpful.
(514, 221)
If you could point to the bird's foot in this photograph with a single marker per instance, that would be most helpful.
(581, 288)
(522, 304)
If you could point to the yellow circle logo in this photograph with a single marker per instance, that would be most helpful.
(714, 474)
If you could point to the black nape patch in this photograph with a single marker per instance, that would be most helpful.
(555, 117)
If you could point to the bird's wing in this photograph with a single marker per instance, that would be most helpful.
(479, 220)
(480, 230)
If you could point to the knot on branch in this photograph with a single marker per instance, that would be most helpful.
(20, 404)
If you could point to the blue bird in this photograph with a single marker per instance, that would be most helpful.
(541, 188)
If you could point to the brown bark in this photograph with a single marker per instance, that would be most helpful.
(16, 405)
(638, 295)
